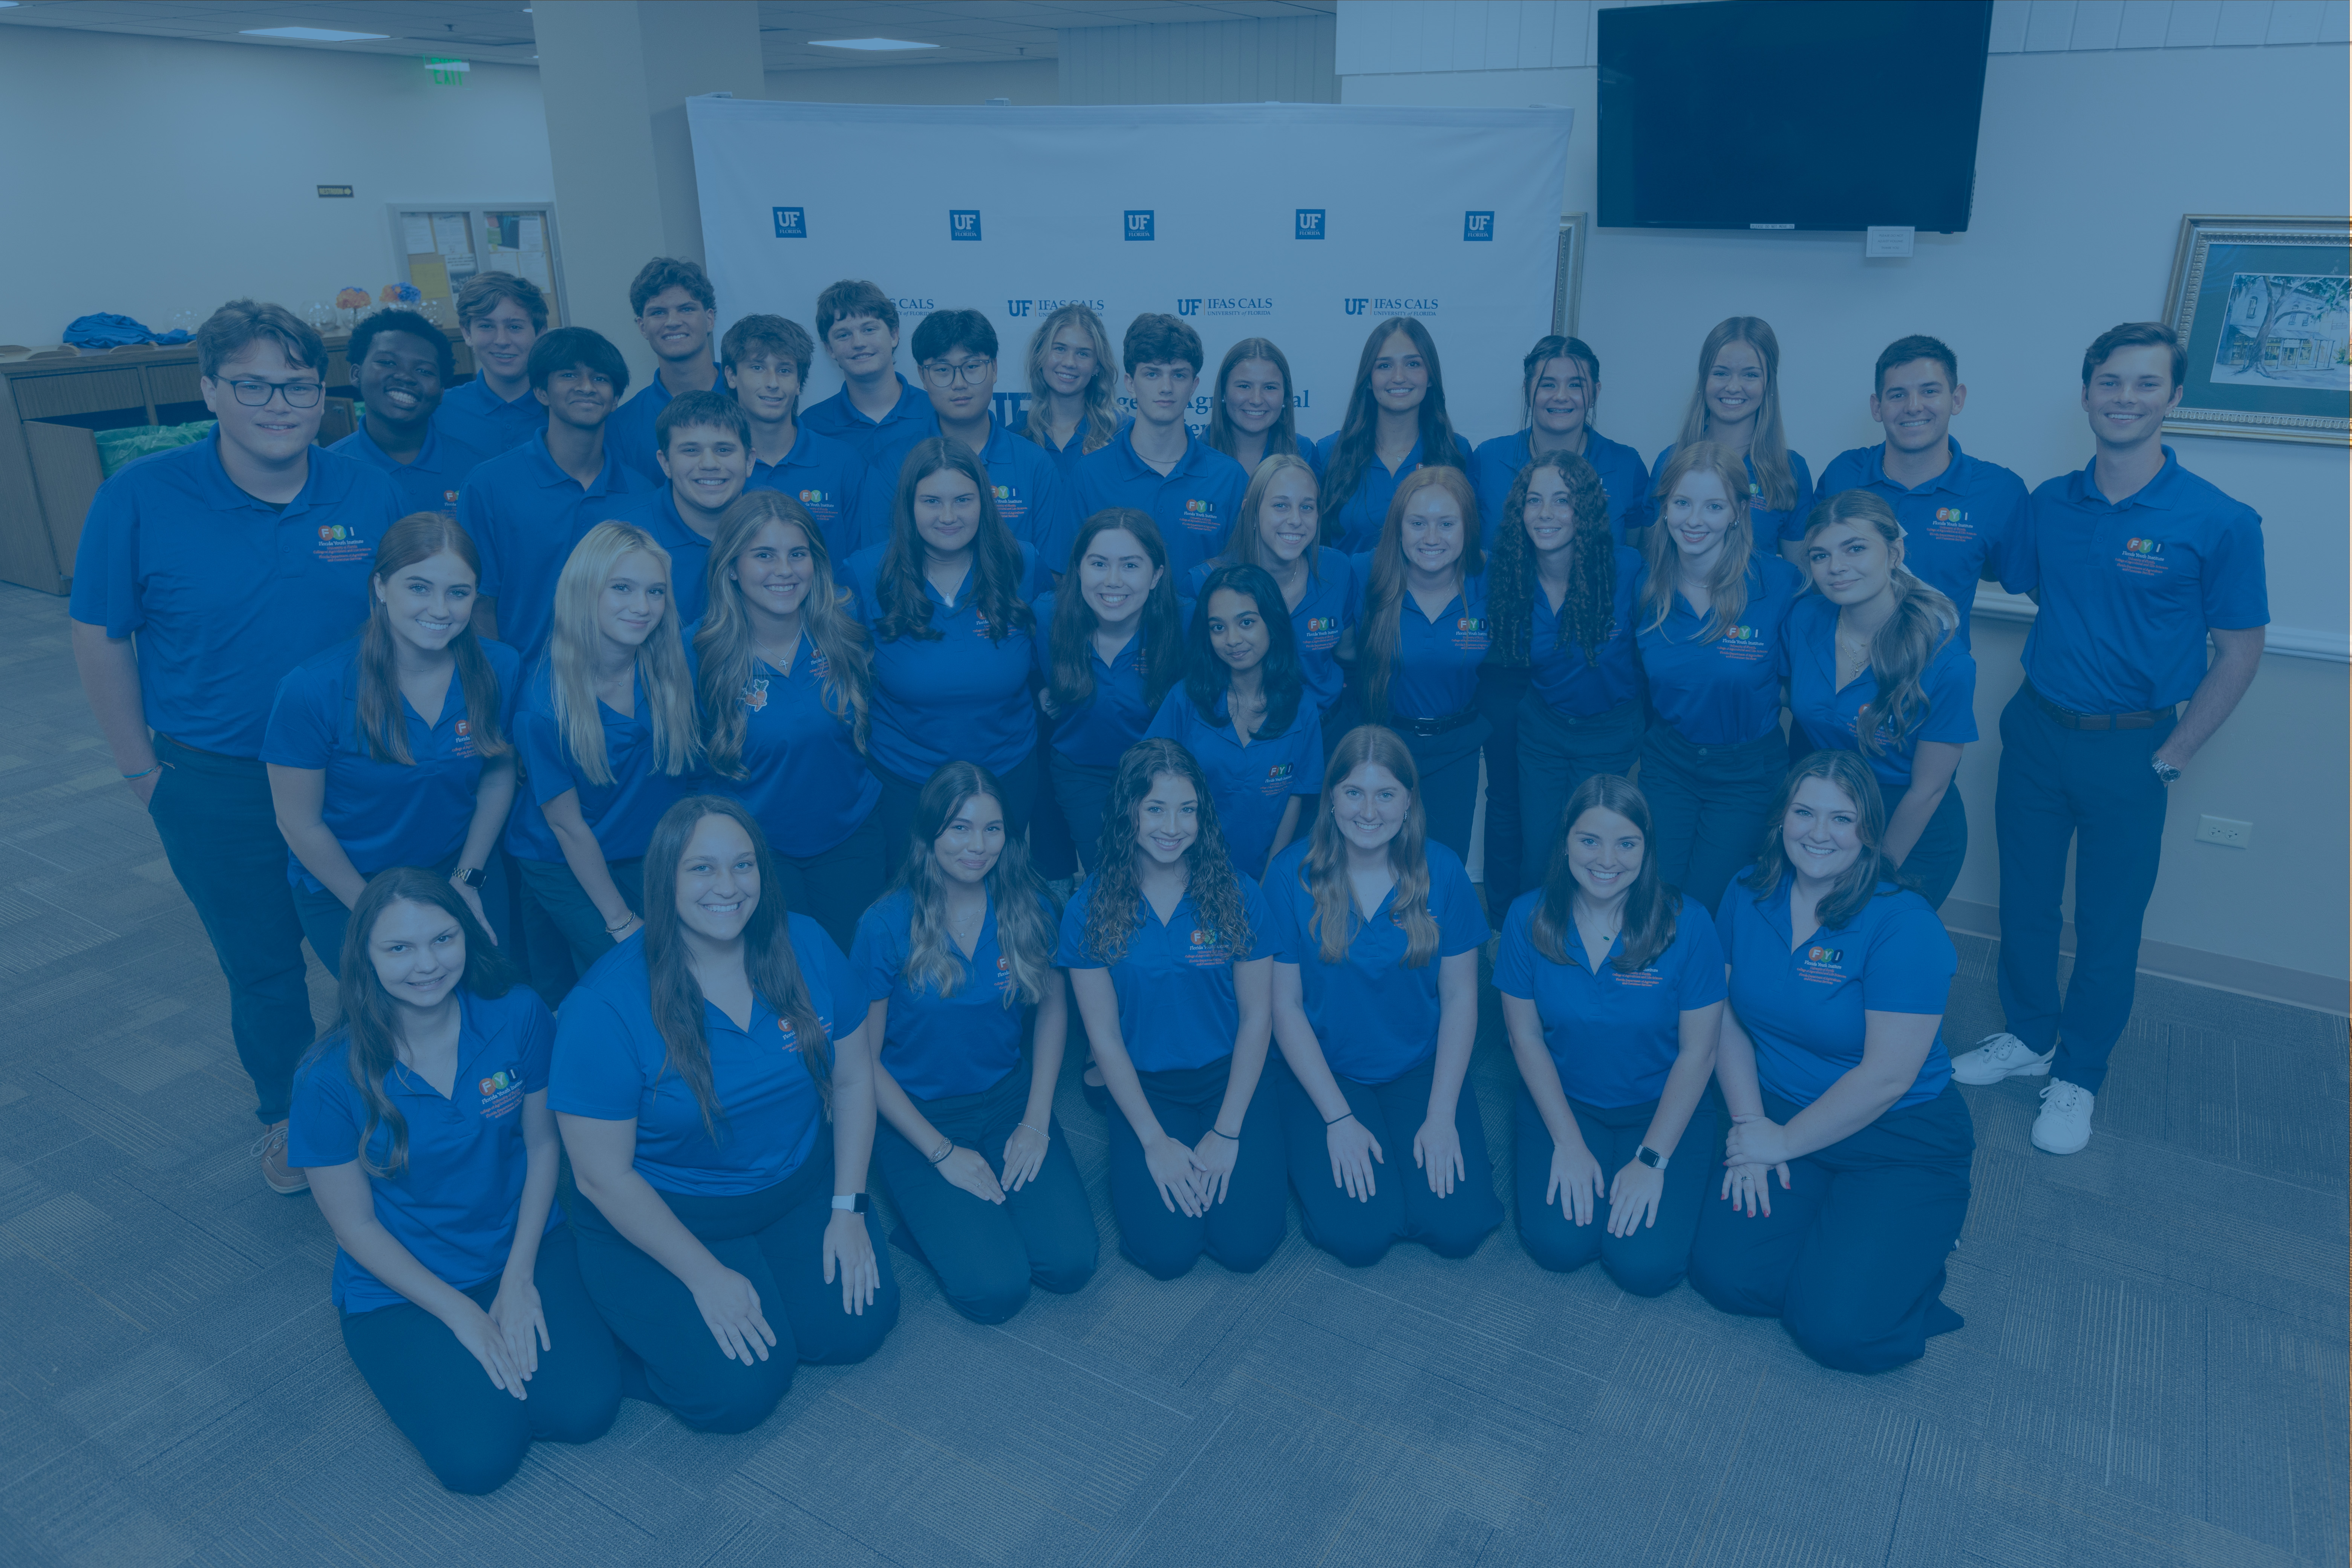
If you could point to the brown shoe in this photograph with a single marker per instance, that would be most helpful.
(284, 1179)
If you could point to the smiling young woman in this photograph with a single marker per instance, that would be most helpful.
(1736, 403)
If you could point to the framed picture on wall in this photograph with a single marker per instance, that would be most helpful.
(2261, 305)
(1567, 280)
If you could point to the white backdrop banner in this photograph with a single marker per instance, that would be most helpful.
(1302, 223)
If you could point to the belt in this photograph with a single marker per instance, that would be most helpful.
(199, 751)
(1426, 728)
(2067, 720)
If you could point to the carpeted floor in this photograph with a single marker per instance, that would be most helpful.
(2153, 1371)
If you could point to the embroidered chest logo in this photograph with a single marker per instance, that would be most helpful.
(2143, 557)
(1470, 632)
(790, 1038)
(1201, 515)
(338, 543)
(755, 693)
(1320, 632)
(1744, 643)
(1003, 975)
(1006, 497)
(1641, 979)
(502, 1092)
(818, 665)
(449, 499)
(814, 500)
(1206, 950)
(1820, 965)
(1951, 522)
(1278, 778)
(465, 742)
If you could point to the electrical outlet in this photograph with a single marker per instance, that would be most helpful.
(2222, 830)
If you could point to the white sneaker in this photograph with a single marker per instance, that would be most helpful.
(1997, 1056)
(2065, 1125)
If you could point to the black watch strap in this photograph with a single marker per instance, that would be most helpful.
(1650, 1157)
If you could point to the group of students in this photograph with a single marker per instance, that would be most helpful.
(760, 739)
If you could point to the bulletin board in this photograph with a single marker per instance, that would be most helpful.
(437, 249)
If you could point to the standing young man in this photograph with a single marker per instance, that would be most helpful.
(2138, 561)
(766, 361)
(1962, 516)
(858, 326)
(527, 508)
(705, 452)
(205, 573)
(956, 353)
(1156, 464)
(677, 312)
(500, 316)
(401, 363)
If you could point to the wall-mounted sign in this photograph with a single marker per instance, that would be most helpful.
(334, 190)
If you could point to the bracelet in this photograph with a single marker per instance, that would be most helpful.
(618, 924)
(947, 1147)
(1339, 1118)
(1039, 1131)
(127, 778)
(1223, 1133)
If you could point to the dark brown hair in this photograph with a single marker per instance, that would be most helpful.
(1651, 906)
(1114, 908)
(995, 557)
(1072, 679)
(417, 537)
(1859, 883)
(1361, 427)
(1511, 585)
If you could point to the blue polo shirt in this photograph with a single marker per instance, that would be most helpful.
(1614, 1037)
(383, 813)
(474, 416)
(822, 475)
(1728, 692)
(524, 514)
(1803, 1008)
(959, 697)
(1194, 504)
(939, 1046)
(1829, 716)
(224, 593)
(806, 783)
(629, 433)
(1769, 523)
(1097, 731)
(1967, 519)
(1031, 498)
(1434, 671)
(431, 483)
(656, 512)
(612, 1064)
(2128, 591)
(1375, 1018)
(838, 418)
(1495, 469)
(1359, 519)
(455, 1204)
(1560, 674)
(1174, 981)
(621, 814)
(1325, 613)
(1250, 785)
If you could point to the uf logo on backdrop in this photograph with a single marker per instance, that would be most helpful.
(1188, 307)
(1356, 307)
(792, 222)
(1139, 223)
(1016, 307)
(1477, 225)
(1310, 223)
(963, 223)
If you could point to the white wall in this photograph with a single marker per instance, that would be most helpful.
(149, 175)
(2085, 165)
(1023, 82)
(1287, 60)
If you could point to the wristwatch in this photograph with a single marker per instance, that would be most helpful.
(2165, 772)
(465, 876)
(1650, 1157)
(850, 1203)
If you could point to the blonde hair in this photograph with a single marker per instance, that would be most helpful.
(1727, 584)
(1247, 547)
(1908, 640)
(723, 645)
(1384, 599)
(660, 660)
(1324, 871)
(1769, 448)
(1101, 420)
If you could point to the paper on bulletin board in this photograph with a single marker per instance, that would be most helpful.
(419, 231)
(431, 275)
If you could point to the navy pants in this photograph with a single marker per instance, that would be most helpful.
(1081, 791)
(988, 1254)
(220, 834)
(834, 886)
(896, 809)
(1709, 806)
(2093, 788)
(1243, 1231)
(1851, 1258)
(555, 895)
(469, 1432)
(1652, 1260)
(1359, 1232)
(1936, 860)
(1557, 752)
(774, 1239)
(1500, 687)
(326, 919)
(1448, 765)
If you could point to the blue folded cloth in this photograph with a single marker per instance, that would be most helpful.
(105, 331)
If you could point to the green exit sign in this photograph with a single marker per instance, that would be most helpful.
(446, 72)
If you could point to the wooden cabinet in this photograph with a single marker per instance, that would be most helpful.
(51, 406)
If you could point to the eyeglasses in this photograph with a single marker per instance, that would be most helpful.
(297, 394)
(971, 373)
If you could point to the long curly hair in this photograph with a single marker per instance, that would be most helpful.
(1908, 641)
(1024, 928)
(723, 647)
(995, 585)
(1324, 871)
(1115, 909)
(1384, 595)
(1727, 584)
(1511, 585)
(1650, 905)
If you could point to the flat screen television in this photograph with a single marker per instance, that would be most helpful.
(1804, 114)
